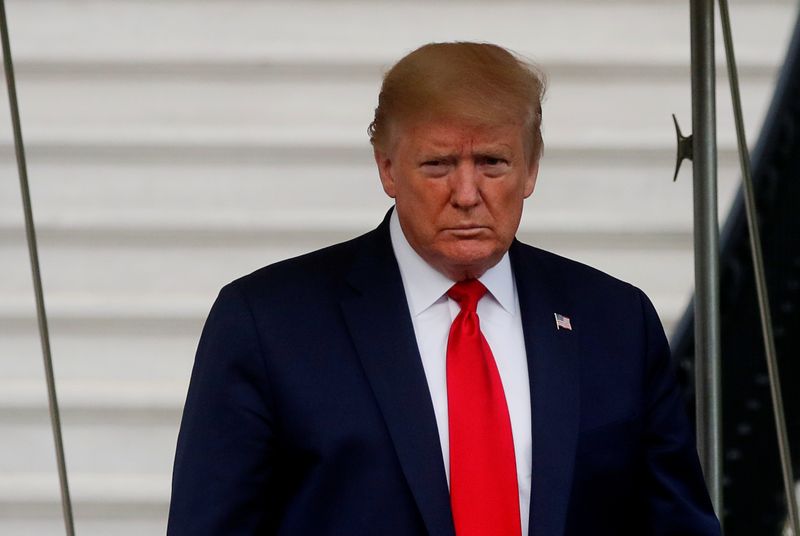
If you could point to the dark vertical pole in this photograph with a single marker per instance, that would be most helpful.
(759, 274)
(30, 231)
(706, 244)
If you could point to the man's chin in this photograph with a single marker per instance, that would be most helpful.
(468, 263)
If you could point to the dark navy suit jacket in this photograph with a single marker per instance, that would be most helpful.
(308, 411)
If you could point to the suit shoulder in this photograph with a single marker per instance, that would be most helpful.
(572, 271)
(589, 290)
(310, 271)
(580, 282)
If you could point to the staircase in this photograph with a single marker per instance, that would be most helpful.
(176, 145)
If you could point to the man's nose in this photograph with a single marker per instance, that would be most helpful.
(464, 186)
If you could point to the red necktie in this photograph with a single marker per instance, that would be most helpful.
(483, 474)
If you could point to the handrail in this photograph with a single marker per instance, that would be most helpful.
(41, 314)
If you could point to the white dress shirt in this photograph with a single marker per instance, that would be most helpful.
(432, 313)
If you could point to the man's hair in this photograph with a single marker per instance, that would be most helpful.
(479, 83)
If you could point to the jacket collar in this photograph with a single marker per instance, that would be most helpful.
(380, 325)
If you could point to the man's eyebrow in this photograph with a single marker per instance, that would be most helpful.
(433, 154)
(495, 150)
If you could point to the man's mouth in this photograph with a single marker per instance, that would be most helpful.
(467, 231)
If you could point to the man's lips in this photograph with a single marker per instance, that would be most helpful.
(466, 231)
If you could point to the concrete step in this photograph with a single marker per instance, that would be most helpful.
(135, 524)
(103, 349)
(118, 504)
(109, 427)
(288, 109)
(100, 282)
(292, 31)
(185, 188)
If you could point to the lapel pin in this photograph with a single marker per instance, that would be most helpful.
(562, 322)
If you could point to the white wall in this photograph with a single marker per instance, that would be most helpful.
(176, 145)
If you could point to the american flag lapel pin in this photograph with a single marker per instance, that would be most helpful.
(562, 322)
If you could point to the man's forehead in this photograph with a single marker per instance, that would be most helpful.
(447, 136)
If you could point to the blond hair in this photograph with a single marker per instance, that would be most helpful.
(479, 83)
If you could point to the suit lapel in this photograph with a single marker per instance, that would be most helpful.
(380, 325)
(554, 375)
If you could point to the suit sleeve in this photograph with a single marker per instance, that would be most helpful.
(677, 499)
(224, 458)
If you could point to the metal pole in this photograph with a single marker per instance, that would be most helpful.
(41, 314)
(706, 247)
(760, 277)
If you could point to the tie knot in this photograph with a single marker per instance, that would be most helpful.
(467, 293)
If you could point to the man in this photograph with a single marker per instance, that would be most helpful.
(436, 376)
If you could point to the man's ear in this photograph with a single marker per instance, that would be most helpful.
(530, 179)
(384, 164)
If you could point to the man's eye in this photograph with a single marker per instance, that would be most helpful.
(492, 161)
(435, 167)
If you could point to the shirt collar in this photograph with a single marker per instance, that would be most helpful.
(425, 285)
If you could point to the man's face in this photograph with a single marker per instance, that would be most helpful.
(458, 190)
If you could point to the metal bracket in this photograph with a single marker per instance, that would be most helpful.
(684, 147)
